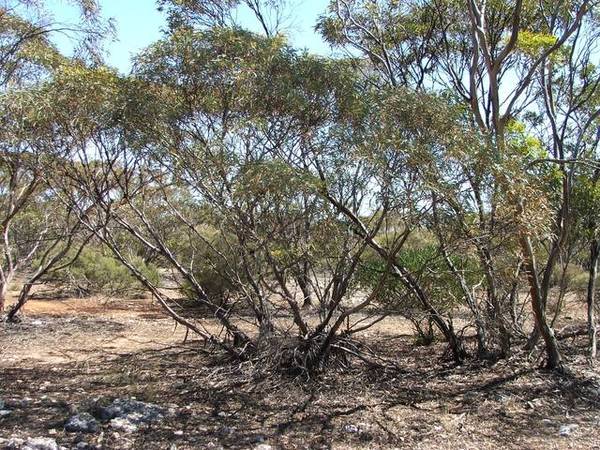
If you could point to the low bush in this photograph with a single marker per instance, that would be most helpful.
(94, 272)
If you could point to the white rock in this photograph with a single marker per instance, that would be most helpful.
(40, 443)
(349, 428)
(214, 445)
(567, 430)
(263, 447)
(123, 425)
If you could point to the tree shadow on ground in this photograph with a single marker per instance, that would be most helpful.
(426, 402)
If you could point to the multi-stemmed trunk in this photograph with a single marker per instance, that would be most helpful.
(410, 283)
(554, 358)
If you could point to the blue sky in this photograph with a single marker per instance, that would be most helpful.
(139, 24)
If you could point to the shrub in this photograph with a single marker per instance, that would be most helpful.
(576, 278)
(211, 270)
(429, 268)
(93, 272)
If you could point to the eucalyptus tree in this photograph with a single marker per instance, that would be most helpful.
(585, 228)
(197, 14)
(395, 145)
(38, 231)
(19, 245)
(271, 17)
(58, 247)
(27, 39)
(24, 222)
(28, 56)
(401, 40)
(488, 57)
(25, 55)
(568, 123)
(571, 93)
(537, 35)
(202, 138)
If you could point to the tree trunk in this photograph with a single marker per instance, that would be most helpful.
(304, 285)
(446, 328)
(4, 285)
(409, 282)
(562, 224)
(591, 288)
(563, 287)
(482, 349)
(503, 331)
(496, 312)
(554, 358)
(3, 291)
(23, 297)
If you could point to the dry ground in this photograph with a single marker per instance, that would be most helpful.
(71, 354)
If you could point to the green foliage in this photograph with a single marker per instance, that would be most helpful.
(251, 76)
(575, 278)
(586, 206)
(534, 44)
(215, 268)
(94, 272)
(426, 263)
(244, 161)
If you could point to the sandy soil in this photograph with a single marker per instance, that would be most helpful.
(73, 353)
